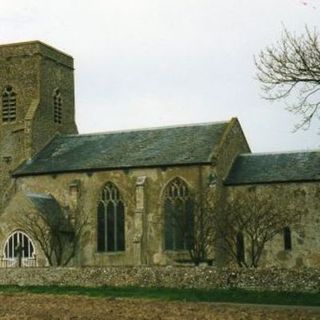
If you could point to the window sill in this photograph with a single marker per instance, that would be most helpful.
(175, 251)
(112, 253)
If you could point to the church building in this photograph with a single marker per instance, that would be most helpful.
(119, 188)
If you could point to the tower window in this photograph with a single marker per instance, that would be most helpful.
(287, 238)
(8, 105)
(57, 106)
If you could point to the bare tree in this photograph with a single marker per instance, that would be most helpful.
(249, 221)
(237, 227)
(193, 225)
(291, 69)
(203, 229)
(58, 233)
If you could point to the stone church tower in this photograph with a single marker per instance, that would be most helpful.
(37, 102)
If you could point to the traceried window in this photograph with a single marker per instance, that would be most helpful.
(19, 248)
(57, 106)
(9, 111)
(178, 216)
(287, 238)
(110, 220)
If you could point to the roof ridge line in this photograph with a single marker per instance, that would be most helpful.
(278, 152)
(144, 129)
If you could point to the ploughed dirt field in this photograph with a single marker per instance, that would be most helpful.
(31, 306)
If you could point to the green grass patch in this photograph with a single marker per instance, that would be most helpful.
(167, 294)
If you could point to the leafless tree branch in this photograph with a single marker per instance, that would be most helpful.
(258, 218)
(292, 68)
(57, 235)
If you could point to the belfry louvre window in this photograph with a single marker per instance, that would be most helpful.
(9, 105)
(110, 220)
(57, 106)
(178, 216)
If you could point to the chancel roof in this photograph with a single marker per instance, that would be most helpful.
(181, 145)
(275, 167)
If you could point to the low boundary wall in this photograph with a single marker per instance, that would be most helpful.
(300, 280)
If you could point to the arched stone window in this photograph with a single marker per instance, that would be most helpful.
(57, 106)
(19, 248)
(9, 112)
(110, 220)
(178, 216)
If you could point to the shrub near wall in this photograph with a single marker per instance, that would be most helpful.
(299, 280)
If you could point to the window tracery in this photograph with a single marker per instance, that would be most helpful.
(57, 106)
(110, 220)
(178, 216)
(9, 111)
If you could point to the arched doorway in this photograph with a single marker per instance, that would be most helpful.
(19, 251)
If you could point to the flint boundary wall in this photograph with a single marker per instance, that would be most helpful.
(299, 280)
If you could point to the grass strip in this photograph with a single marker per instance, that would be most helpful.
(168, 294)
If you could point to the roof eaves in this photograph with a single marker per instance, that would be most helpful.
(81, 170)
(230, 183)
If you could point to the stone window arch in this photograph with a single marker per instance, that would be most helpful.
(57, 106)
(110, 220)
(178, 215)
(9, 105)
(19, 249)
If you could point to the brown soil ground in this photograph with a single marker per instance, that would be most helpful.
(30, 306)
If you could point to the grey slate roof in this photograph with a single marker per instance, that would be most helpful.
(190, 144)
(275, 167)
(47, 205)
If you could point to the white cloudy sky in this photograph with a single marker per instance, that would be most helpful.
(145, 63)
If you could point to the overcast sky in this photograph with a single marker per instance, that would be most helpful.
(146, 63)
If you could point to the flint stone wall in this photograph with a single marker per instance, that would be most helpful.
(303, 280)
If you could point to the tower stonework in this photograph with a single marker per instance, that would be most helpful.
(37, 102)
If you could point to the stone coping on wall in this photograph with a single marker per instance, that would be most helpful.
(298, 280)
